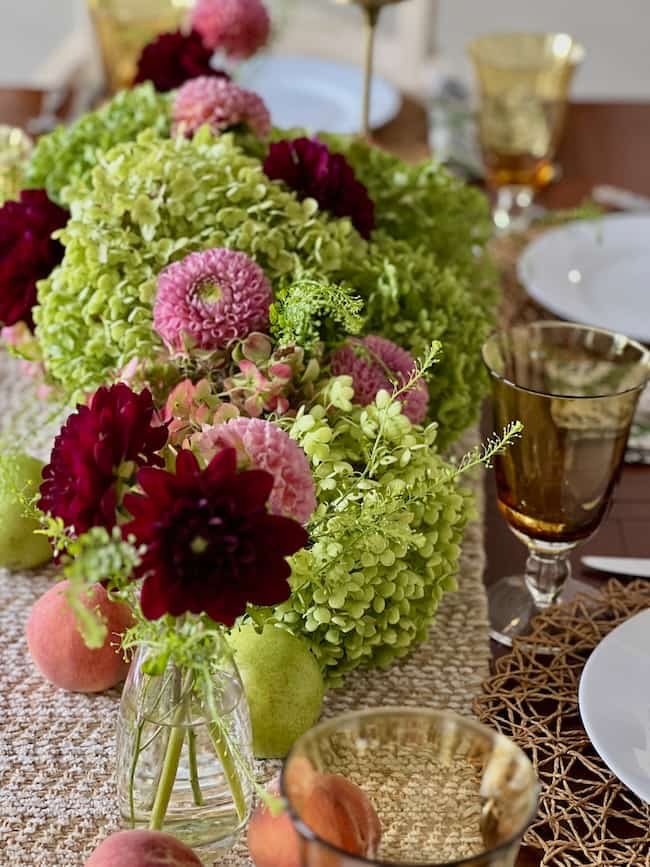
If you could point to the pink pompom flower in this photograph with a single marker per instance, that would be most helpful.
(209, 299)
(375, 363)
(239, 28)
(221, 104)
(262, 445)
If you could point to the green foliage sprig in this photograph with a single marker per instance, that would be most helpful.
(309, 311)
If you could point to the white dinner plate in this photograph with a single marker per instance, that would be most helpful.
(318, 94)
(614, 698)
(596, 272)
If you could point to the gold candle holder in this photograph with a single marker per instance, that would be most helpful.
(371, 10)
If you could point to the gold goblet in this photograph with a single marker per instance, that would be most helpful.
(447, 790)
(524, 81)
(124, 27)
(575, 388)
(371, 10)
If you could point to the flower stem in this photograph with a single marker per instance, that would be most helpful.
(172, 757)
(194, 774)
(222, 749)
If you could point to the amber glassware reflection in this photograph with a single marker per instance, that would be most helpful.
(524, 81)
(446, 790)
(575, 388)
(124, 27)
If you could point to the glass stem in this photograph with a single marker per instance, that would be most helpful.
(512, 208)
(172, 756)
(371, 18)
(546, 574)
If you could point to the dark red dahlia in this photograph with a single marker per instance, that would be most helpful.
(27, 252)
(308, 167)
(211, 545)
(92, 454)
(173, 58)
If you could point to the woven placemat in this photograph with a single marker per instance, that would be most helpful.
(57, 778)
(518, 307)
(586, 816)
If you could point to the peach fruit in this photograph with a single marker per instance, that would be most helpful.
(336, 809)
(142, 849)
(59, 651)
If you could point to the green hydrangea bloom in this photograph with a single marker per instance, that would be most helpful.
(387, 542)
(67, 153)
(152, 201)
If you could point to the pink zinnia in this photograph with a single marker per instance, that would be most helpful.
(375, 363)
(209, 299)
(221, 104)
(263, 446)
(239, 28)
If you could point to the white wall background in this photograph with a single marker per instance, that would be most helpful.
(40, 38)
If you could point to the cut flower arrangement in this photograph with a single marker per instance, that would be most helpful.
(269, 339)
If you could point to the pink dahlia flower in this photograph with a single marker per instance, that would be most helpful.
(239, 28)
(221, 104)
(210, 298)
(263, 446)
(375, 363)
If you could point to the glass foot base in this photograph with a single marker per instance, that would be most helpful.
(511, 608)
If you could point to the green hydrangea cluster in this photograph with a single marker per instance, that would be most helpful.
(139, 202)
(387, 533)
(152, 201)
(426, 277)
(63, 156)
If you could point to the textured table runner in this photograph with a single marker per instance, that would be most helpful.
(57, 749)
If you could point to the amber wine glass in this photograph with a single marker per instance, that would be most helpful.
(524, 81)
(124, 27)
(447, 790)
(371, 10)
(575, 388)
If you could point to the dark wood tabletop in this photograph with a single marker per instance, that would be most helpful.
(604, 142)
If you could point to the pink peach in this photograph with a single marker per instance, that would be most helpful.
(59, 651)
(142, 849)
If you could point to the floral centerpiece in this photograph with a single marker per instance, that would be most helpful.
(270, 339)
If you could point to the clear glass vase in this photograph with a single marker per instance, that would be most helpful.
(184, 756)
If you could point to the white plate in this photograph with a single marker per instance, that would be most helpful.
(318, 94)
(596, 272)
(614, 701)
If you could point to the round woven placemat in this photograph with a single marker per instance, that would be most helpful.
(57, 777)
(586, 816)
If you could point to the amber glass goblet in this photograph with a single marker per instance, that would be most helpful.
(575, 389)
(447, 790)
(524, 81)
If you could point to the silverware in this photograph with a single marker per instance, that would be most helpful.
(616, 197)
(635, 567)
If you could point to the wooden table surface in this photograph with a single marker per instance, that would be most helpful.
(604, 143)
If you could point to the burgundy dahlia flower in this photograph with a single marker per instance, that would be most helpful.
(239, 28)
(211, 545)
(92, 452)
(171, 59)
(311, 170)
(221, 104)
(210, 298)
(375, 363)
(27, 252)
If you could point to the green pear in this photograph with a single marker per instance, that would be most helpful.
(20, 546)
(283, 684)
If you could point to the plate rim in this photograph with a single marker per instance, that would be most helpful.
(531, 286)
(393, 96)
(583, 705)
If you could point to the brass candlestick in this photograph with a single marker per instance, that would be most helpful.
(371, 10)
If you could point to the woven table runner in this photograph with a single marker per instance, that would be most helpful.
(57, 759)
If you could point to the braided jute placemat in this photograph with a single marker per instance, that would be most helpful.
(586, 816)
(57, 761)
